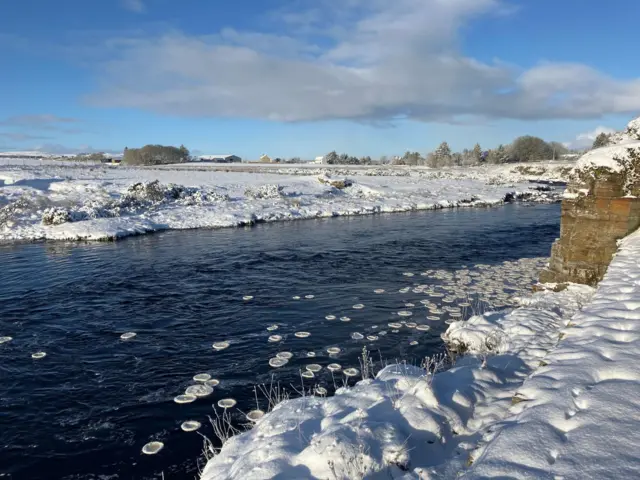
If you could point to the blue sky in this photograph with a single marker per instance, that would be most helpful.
(302, 77)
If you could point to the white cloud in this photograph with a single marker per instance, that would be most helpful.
(364, 60)
(585, 140)
(134, 5)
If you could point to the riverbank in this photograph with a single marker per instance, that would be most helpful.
(74, 202)
(410, 421)
(548, 390)
(577, 417)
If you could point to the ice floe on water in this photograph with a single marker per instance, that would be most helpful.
(220, 345)
(277, 362)
(199, 390)
(350, 372)
(227, 403)
(152, 448)
(190, 425)
(185, 398)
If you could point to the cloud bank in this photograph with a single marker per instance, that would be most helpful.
(362, 60)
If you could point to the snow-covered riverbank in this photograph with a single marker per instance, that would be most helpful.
(578, 418)
(58, 202)
(406, 423)
(545, 391)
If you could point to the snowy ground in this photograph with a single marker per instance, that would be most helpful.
(45, 200)
(407, 422)
(578, 418)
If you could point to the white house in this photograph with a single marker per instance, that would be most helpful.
(320, 160)
(264, 158)
(224, 158)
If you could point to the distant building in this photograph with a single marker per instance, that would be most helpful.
(264, 158)
(112, 160)
(227, 158)
(320, 160)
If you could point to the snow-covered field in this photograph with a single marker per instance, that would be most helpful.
(407, 422)
(58, 201)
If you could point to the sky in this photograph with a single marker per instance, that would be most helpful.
(305, 77)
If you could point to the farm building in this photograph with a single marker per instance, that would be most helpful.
(226, 158)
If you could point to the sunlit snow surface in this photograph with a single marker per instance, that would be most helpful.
(579, 418)
(97, 202)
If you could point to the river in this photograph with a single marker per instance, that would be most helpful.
(87, 408)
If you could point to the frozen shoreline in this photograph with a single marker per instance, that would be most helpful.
(98, 203)
(406, 423)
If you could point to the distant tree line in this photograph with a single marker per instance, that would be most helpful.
(523, 149)
(333, 158)
(156, 155)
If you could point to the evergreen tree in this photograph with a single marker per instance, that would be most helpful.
(331, 158)
(602, 140)
(443, 151)
(477, 152)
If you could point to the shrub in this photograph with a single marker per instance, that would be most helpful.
(602, 140)
(155, 155)
(530, 149)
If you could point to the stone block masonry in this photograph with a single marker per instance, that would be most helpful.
(595, 215)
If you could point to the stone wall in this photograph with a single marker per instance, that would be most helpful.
(595, 214)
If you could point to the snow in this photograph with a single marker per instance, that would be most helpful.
(405, 423)
(580, 416)
(93, 202)
(605, 157)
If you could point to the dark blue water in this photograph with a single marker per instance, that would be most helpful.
(86, 410)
